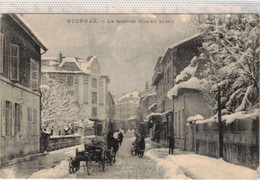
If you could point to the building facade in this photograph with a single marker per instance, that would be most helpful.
(20, 67)
(111, 110)
(169, 68)
(84, 79)
(147, 105)
(126, 107)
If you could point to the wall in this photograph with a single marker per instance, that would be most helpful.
(23, 143)
(188, 103)
(240, 141)
(59, 142)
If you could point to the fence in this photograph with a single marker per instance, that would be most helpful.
(240, 141)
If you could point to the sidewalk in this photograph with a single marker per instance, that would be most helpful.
(187, 165)
(38, 163)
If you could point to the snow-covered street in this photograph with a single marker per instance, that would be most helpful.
(156, 164)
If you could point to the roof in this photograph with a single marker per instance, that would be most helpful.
(180, 43)
(131, 96)
(29, 30)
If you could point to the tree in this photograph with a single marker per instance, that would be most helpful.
(59, 106)
(231, 49)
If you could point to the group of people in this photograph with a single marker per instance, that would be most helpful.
(138, 145)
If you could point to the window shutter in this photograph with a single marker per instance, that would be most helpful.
(3, 122)
(34, 74)
(14, 62)
(1, 53)
(12, 119)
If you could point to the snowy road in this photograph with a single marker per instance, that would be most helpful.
(126, 167)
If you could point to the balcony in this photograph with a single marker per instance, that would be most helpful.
(156, 78)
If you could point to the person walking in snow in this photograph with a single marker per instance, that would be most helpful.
(171, 141)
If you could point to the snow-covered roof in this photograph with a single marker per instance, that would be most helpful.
(179, 43)
(149, 95)
(189, 70)
(185, 40)
(195, 118)
(153, 114)
(29, 30)
(192, 83)
(131, 118)
(134, 94)
(166, 112)
(152, 106)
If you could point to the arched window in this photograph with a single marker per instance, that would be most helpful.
(94, 83)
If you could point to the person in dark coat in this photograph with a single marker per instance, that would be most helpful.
(120, 138)
(171, 141)
(141, 145)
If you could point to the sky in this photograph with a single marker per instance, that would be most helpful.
(126, 51)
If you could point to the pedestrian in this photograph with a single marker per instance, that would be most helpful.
(141, 145)
(171, 141)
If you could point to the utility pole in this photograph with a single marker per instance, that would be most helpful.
(220, 127)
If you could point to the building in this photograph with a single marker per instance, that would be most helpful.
(187, 98)
(147, 105)
(110, 110)
(126, 107)
(169, 68)
(20, 67)
(84, 79)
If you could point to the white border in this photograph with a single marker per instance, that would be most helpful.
(124, 6)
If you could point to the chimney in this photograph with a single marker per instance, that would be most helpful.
(60, 57)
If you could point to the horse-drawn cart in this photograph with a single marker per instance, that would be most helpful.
(91, 154)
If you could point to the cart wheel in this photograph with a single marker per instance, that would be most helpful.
(71, 169)
(89, 166)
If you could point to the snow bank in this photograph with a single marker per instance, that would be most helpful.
(59, 171)
(203, 167)
(241, 115)
(192, 83)
(7, 173)
(187, 166)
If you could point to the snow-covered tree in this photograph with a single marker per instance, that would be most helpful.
(231, 49)
(59, 106)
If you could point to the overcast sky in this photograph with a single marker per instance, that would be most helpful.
(127, 52)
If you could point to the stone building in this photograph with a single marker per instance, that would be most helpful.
(174, 113)
(126, 107)
(20, 67)
(84, 79)
(147, 105)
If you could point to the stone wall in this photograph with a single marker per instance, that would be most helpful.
(240, 141)
(59, 142)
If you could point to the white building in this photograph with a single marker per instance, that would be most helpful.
(83, 77)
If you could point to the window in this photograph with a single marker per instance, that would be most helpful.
(101, 92)
(85, 90)
(8, 118)
(14, 62)
(1, 53)
(69, 81)
(18, 118)
(94, 98)
(34, 74)
(94, 83)
(94, 111)
(177, 124)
